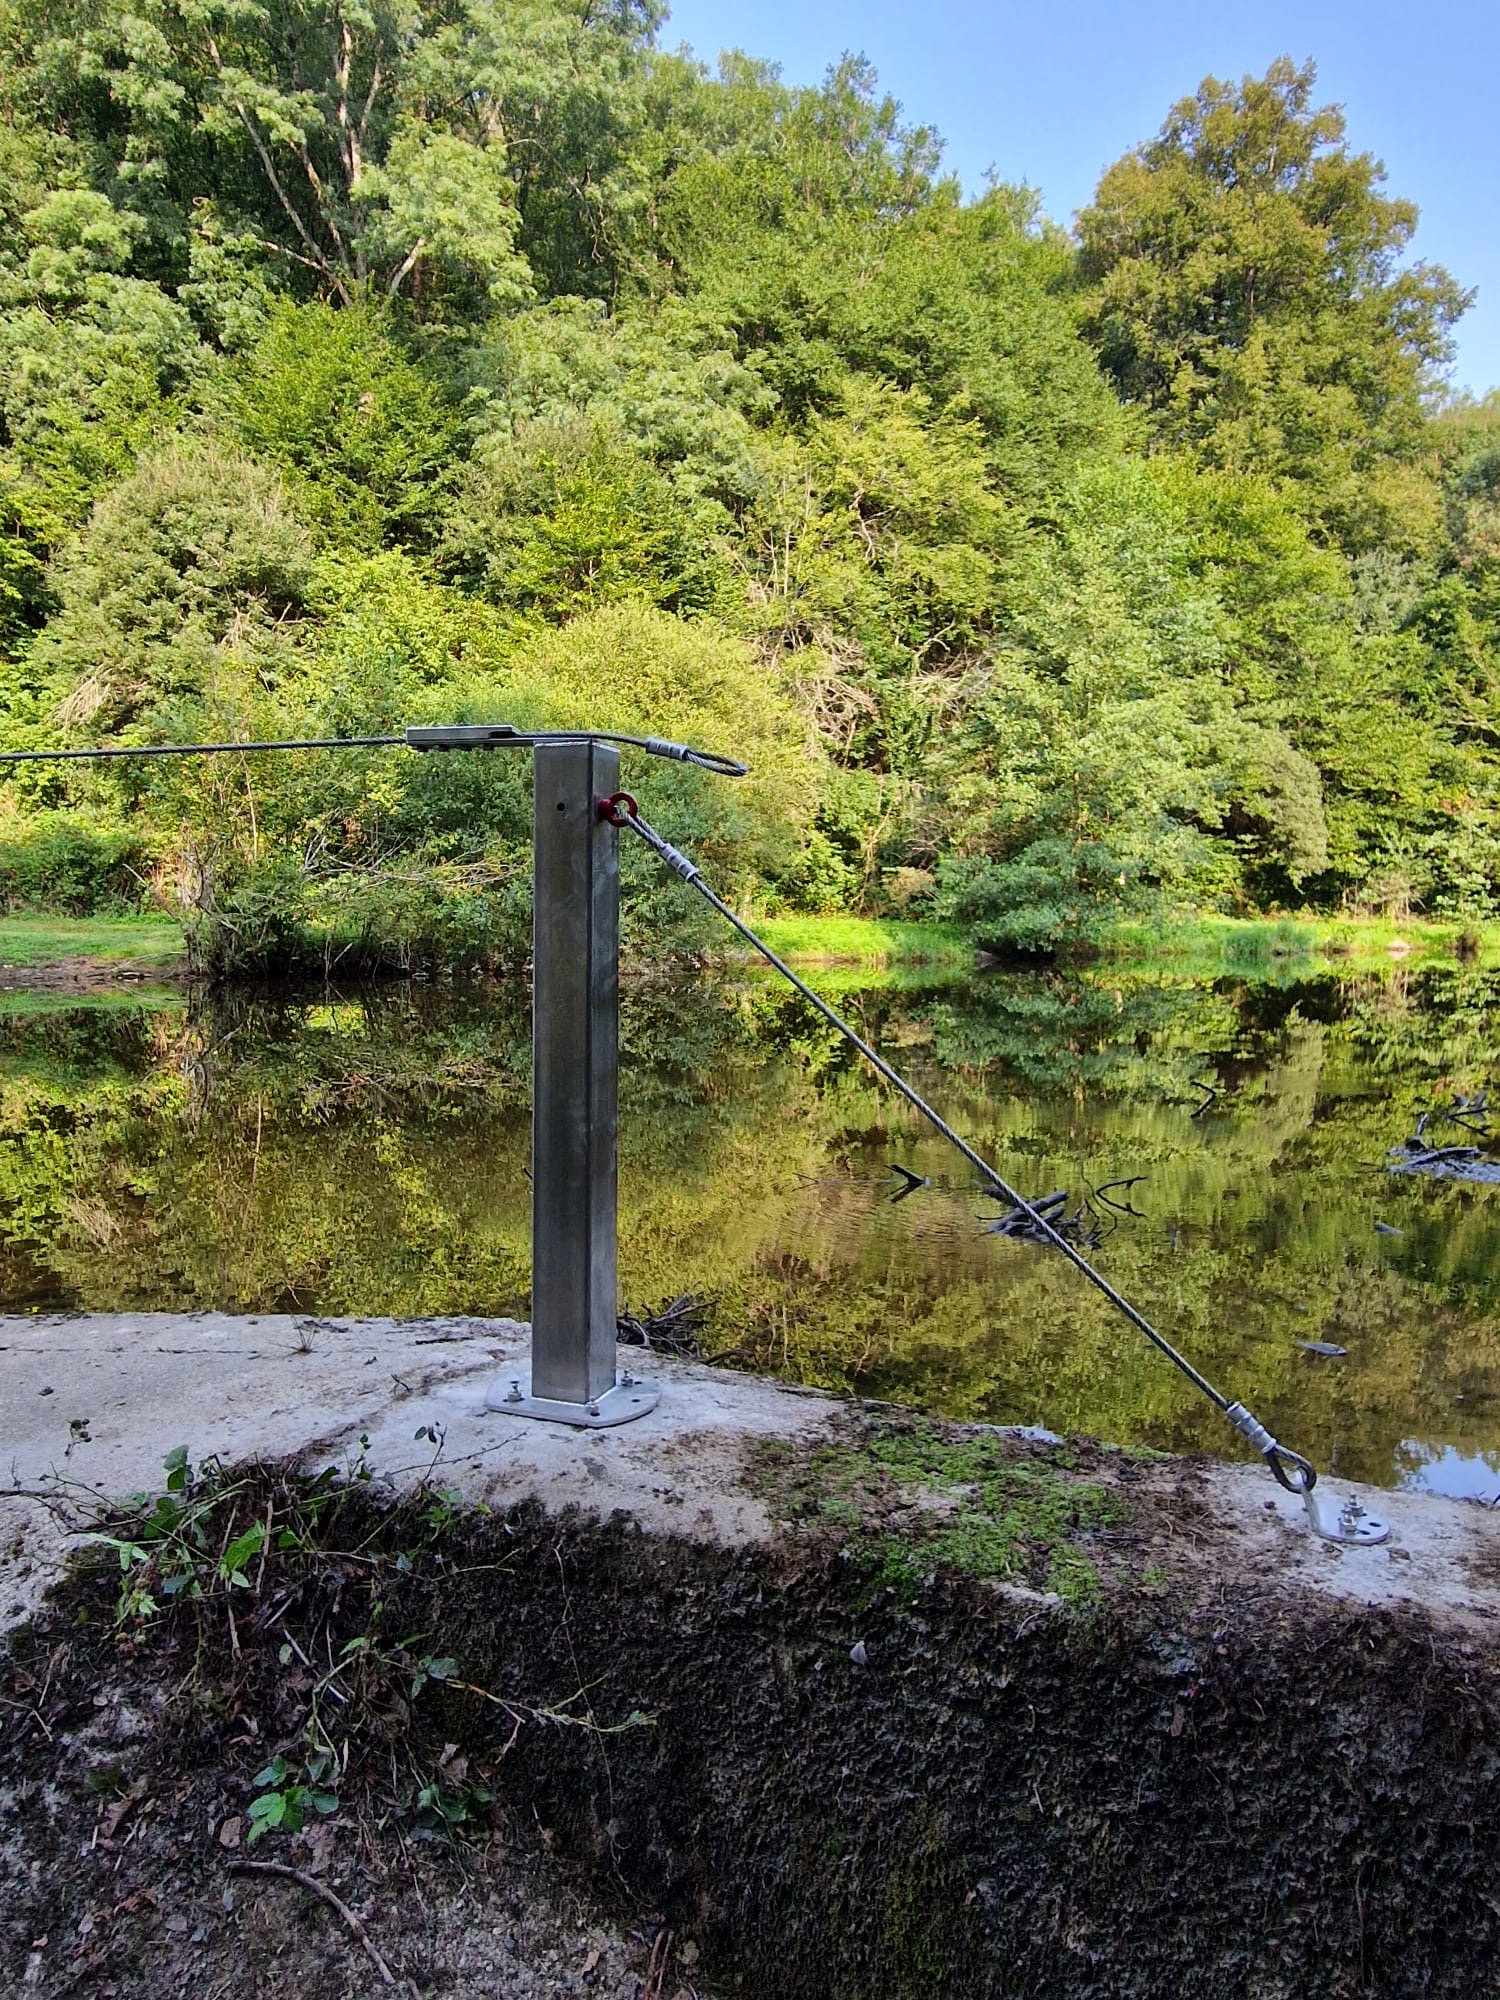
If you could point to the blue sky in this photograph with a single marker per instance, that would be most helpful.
(1051, 94)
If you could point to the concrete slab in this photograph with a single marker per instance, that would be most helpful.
(90, 1405)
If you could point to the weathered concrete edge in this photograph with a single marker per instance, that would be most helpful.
(90, 1404)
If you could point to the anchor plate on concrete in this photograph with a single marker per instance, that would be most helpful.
(628, 1399)
(1342, 1521)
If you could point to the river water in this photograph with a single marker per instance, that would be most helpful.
(365, 1152)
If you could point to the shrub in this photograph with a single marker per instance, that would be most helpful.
(1054, 896)
(57, 862)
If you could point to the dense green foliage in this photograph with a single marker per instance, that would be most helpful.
(361, 366)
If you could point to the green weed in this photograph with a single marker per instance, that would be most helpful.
(310, 1591)
(283, 1802)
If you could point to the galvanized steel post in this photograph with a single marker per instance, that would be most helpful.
(575, 1037)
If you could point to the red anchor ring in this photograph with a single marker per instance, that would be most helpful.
(609, 809)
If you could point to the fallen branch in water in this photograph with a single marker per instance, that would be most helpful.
(1019, 1225)
(1120, 1207)
(672, 1330)
(1021, 1221)
(1412, 1158)
(1209, 1101)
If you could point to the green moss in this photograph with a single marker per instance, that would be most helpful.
(921, 1921)
(917, 1499)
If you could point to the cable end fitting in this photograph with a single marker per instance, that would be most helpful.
(1300, 1478)
(679, 864)
(702, 760)
(1250, 1428)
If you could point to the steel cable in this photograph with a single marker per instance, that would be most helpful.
(197, 749)
(443, 736)
(1292, 1471)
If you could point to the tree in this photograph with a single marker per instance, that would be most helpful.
(333, 399)
(408, 146)
(1084, 758)
(1246, 289)
(94, 367)
(189, 579)
(565, 516)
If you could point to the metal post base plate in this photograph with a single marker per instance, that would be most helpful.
(1343, 1521)
(627, 1400)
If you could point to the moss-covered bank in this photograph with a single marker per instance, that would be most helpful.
(871, 1756)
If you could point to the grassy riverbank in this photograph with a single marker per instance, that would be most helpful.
(864, 941)
(1253, 944)
(1187, 942)
(146, 943)
(37, 943)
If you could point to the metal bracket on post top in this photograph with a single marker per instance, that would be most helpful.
(574, 1119)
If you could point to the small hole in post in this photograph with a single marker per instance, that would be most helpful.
(562, 805)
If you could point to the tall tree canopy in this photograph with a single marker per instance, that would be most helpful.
(365, 363)
(451, 148)
(1247, 289)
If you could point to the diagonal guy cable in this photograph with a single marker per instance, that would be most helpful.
(1295, 1473)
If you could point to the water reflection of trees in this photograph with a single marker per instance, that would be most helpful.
(366, 1152)
(1052, 1031)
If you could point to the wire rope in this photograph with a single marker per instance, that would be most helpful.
(1295, 1473)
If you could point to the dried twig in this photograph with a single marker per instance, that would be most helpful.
(656, 1969)
(69, 1515)
(26, 1709)
(672, 1330)
(1122, 1207)
(326, 1895)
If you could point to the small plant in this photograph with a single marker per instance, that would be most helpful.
(168, 1552)
(284, 1802)
(442, 1509)
(451, 1800)
(429, 1669)
(239, 1553)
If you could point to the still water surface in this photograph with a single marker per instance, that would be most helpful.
(365, 1152)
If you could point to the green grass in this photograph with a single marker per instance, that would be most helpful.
(1205, 944)
(1311, 943)
(1187, 943)
(152, 942)
(864, 940)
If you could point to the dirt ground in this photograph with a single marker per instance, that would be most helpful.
(85, 975)
(983, 1717)
(128, 1870)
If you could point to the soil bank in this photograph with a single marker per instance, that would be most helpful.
(838, 1701)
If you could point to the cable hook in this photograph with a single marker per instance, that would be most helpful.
(1303, 1477)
